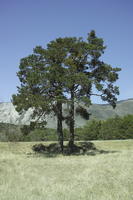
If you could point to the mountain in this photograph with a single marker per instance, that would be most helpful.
(8, 114)
(105, 111)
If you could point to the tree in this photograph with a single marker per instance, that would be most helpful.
(65, 72)
(45, 79)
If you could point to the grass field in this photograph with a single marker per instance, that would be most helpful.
(105, 176)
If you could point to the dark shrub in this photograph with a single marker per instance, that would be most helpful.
(54, 148)
(87, 145)
(39, 148)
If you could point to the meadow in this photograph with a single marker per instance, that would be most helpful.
(25, 175)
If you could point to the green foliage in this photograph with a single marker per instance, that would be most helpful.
(114, 128)
(46, 134)
(65, 71)
(82, 112)
(90, 131)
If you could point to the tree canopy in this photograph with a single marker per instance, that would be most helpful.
(67, 71)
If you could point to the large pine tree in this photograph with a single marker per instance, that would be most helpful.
(66, 71)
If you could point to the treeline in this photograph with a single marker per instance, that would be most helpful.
(110, 129)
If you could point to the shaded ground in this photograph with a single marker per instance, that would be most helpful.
(81, 148)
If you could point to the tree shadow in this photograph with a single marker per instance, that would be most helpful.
(54, 155)
(98, 152)
(53, 150)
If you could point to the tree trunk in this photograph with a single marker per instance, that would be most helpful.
(72, 122)
(59, 125)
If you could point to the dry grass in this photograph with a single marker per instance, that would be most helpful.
(107, 176)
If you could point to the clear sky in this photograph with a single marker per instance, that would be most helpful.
(25, 24)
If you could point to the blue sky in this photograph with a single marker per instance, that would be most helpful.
(25, 24)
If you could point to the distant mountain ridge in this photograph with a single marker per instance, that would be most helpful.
(8, 114)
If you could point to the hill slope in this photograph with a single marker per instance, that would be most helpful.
(8, 113)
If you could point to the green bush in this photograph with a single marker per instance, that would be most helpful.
(89, 132)
(115, 128)
(46, 134)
